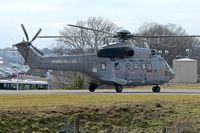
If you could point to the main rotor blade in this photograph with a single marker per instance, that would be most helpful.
(37, 50)
(164, 36)
(36, 35)
(143, 40)
(25, 32)
(86, 28)
(56, 36)
(50, 36)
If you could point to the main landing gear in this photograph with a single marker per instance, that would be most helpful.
(118, 88)
(156, 88)
(93, 87)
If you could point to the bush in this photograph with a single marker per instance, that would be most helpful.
(77, 81)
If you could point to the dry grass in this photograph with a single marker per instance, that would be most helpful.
(132, 113)
(85, 99)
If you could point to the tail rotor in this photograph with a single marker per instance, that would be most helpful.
(29, 43)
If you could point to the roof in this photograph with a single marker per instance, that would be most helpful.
(185, 59)
(23, 82)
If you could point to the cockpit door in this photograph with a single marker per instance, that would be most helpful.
(120, 69)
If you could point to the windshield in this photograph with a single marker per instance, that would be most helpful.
(167, 65)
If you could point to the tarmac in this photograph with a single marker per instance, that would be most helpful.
(105, 91)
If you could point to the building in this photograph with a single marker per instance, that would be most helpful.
(185, 70)
(1, 61)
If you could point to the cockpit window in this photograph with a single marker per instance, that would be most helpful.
(167, 65)
(164, 64)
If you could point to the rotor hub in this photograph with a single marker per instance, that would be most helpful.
(123, 34)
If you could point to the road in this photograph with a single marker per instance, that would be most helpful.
(108, 91)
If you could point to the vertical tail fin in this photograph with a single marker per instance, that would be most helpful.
(31, 55)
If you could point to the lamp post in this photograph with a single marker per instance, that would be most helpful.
(4, 57)
(17, 70)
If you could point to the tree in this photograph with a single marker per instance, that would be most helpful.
(81, 41)
(175, 46)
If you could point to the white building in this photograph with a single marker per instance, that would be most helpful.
(185, 70)
(1, 61)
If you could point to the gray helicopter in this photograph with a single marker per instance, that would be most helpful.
(118, 64)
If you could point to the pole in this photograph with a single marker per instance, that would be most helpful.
(4, 57)
(17, 70)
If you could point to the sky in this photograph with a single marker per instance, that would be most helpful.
(53, 15)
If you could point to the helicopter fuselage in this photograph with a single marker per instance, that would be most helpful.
(143, 68)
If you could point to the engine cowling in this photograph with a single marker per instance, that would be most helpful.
(119, 52)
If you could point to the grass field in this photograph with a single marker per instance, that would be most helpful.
(130, 113)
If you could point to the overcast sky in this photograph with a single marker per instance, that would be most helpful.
(52, 15)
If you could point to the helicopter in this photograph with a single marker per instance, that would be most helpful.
(118, 64)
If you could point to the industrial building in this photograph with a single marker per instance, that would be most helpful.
(185, 70)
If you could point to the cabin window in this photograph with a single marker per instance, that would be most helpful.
(149, 67)
(128, 66)
(143, 66)
(90, 66)
(117, 66)
(103, 66)
(135, 65)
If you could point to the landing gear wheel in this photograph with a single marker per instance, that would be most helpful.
(92, 87)
(118, 88)
(156, 88)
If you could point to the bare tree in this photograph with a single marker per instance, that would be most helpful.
(83, 41)
(174, 46)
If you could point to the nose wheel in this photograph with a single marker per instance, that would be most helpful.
(118, 88)
(156, 88)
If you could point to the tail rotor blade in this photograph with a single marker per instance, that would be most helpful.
(37, 50)
(25, 59)
(25, 32)
(36, 35)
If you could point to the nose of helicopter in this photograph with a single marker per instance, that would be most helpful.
(172, 74)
